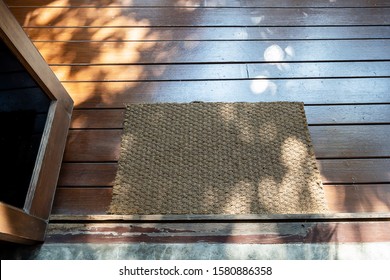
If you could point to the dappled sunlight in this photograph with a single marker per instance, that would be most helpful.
(190, 45)
(59, 3)
(97, 95)
(103, 73)
(262, 85)
(274, 53)
(189, 5)
(123, 34)
(267, 132)
(293, 152)
(228, 113)
(117, 52)
(293, 156)
(234, 199)
(58, 16)
(246, 134)
(257, 19)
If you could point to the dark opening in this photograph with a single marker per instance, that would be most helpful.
(23, 112)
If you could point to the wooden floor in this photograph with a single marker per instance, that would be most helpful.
(332, 55)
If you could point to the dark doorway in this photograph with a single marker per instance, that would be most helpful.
(23, 112)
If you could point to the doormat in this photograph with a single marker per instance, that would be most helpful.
(217, 158)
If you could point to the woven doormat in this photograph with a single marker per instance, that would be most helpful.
(217, 158)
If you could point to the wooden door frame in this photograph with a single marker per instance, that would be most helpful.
(28, 225)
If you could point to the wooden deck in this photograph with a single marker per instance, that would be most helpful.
(332, 55)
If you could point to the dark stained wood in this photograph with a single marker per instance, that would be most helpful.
(31, 59)
(87, 174)
(341, 171)
(199, 3)
(241, 233)
(351, 141)
(18, 226)
(310, 91)
(40, 199)
(358, 198)
(58, 218)
(199, 34)
(341, 199)
(332, 55)
(42, 186)
(79, 201)
(215, 52)
(93, 145)
(183, 72)
(111, 118)
(355, 171)
(107, 16)
(316, 115)
(329, 142)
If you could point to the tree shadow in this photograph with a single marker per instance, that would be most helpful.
(216, 158)
(107, 43)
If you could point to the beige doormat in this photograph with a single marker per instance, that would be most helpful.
(217, 158)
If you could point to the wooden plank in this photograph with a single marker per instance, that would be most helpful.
(358, 198)
(329, 142)
(199, 3)
(15, 38)
(155, 16)
(39, 198)
(111, 118)
(345, 171)
(240, 233)
(201, 34)
(355, 171)
(341, 199)
(316, 115)
(310, 91)
(213, 52)
(87, 174)
(348, 114)
(78, 201)
(329, 217)
(153, 72)
(94, 145)
(183, 72)
(18, 226)
(48, 163)
(351, 141)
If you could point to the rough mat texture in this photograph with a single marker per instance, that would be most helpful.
(217, 158)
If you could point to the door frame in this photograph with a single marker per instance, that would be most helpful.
(28, 225)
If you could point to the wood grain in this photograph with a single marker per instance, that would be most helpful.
(30, 223)
(341, 199)
(199, 3)
(203, 34)
(329, 142)
(332, 55)
(240, 233)
(213, 52)
(178, 16)
(18, 226)
(340, 171)
(309, 91)
(316, 115)
(183, 72)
